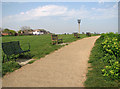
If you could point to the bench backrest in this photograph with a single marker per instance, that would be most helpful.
(76, 35)
(10, 48)
(88, 33)
(54, 37)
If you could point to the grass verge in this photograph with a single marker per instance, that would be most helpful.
(95, 77)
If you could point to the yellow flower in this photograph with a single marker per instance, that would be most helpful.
(116, 62)
(111, 72)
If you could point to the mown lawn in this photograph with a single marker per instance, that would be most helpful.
(40, 45)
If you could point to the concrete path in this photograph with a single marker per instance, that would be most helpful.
(66, 67)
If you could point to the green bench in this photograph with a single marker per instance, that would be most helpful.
(13, 47)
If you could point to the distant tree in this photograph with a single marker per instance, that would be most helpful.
(6, 30)
(19, 31)
(23, 28)
(12, 32)
(42, 30)
(30, 30)
(1, 29)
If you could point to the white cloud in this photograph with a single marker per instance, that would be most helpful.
(48, 10)
(63, 12)
(22, 13)
(105, 13)
(101, 1)
(116, 5)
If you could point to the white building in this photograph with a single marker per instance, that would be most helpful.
(37, 32)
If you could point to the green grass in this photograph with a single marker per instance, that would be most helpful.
(95, 77)
(40, 45)
(30, 62)
(9, 67)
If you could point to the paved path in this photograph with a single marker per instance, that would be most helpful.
(66, 67)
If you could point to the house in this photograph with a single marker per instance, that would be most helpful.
(34, 32)
(40, 32)
(5, 34)
(27, 32)
(37, 32)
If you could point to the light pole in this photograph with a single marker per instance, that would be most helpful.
(79, 20)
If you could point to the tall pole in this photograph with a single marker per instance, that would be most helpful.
(79, 20)
(79, 27)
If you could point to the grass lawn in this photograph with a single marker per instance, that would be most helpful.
(40, 45)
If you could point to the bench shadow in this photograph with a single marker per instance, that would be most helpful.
(26, 56)
(24, 59)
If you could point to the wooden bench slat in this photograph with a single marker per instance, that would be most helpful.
(76, 35)
(55, 39)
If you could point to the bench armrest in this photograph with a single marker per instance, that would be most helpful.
(28, 45)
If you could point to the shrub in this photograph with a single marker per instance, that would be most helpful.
(111, 58)
(9, 67)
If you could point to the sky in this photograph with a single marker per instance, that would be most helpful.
(61, 17)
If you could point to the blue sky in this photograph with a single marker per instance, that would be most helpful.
(61, 17)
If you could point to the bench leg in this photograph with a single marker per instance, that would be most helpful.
(52, 42)
(29, 54)
(8, 58)
(15, 59)
(3, 61)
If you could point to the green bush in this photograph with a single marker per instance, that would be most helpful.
(119, 37)
(111, 58)
(9, 67)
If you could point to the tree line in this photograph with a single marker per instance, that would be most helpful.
(22, 30)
